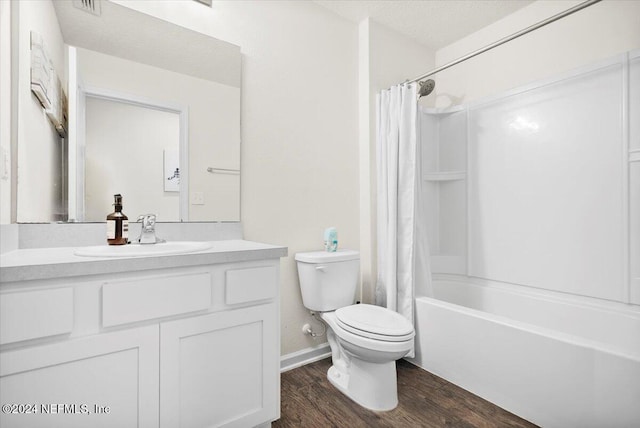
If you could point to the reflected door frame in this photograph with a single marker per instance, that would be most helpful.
(78, 141)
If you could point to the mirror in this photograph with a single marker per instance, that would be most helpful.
(154, 114)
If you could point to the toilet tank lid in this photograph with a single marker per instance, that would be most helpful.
(327, 257)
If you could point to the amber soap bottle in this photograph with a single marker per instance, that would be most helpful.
(117, 224)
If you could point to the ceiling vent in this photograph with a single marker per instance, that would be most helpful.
(90, 6)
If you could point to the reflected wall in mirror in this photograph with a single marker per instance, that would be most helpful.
(143, 94)
(126, 154)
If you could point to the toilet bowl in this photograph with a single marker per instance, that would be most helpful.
(365, 340)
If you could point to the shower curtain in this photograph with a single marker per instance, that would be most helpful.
(397, 184)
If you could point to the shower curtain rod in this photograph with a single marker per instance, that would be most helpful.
(508, 38)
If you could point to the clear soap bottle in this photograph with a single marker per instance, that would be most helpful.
(117, 224)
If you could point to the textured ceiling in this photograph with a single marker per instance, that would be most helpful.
(433, 23)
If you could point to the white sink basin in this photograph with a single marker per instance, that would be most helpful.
(138, 250)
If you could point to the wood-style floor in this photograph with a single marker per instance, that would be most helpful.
(425, 400)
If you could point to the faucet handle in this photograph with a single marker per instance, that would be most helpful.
(144, 216)
(148, 220)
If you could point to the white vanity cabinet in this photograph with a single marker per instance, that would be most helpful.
(240, 389)
(194, 346)
(108, 380)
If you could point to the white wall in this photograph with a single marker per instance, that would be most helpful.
(300, 141)
(124, 154)
(214, 124)
(40, 151)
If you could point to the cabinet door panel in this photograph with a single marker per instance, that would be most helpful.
(251, 284)
(72, 383)
(35, 314)
(132, 300)
(220, 369)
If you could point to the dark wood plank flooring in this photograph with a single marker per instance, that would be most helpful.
(309, 400)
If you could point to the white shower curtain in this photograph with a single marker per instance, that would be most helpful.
(398, 186)
(396, 110)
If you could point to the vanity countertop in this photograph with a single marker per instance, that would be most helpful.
(48, 263)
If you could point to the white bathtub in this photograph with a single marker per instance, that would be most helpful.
(557, 361)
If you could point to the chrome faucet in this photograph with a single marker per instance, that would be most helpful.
(148, 230)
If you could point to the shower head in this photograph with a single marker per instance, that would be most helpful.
(426, 87)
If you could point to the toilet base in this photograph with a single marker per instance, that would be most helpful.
(372, 385)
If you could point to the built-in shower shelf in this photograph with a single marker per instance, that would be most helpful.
(442, 111)
(445, 176)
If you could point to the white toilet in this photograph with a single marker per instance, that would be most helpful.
(365, 340)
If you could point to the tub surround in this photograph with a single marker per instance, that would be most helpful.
(173, 340)
(493, 188)
(540, 314)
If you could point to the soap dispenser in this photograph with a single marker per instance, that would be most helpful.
(117, 224)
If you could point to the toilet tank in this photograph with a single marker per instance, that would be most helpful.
(328, 281)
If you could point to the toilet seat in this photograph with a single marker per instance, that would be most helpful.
(374, 322)
(365, 342)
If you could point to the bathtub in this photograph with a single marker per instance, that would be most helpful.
(555, 360)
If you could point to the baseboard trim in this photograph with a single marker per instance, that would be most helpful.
(303, 357)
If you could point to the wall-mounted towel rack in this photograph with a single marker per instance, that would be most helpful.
(223, 171)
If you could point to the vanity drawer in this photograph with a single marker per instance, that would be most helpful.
(250, 284)
(147, 298)
(34, 314)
